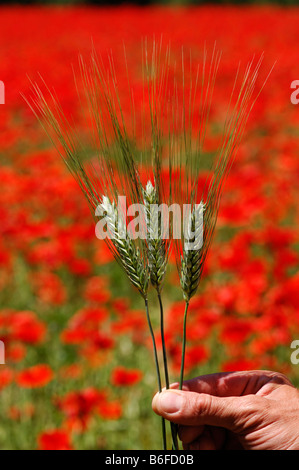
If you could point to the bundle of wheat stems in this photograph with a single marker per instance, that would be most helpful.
(164, 136)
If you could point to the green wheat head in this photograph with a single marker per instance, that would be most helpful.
(125, 250)
(192, 259)
(156, 244)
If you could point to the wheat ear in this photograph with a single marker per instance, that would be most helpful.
(125, 250)
(157, 253)
(192, 259)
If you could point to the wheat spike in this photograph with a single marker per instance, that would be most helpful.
(192, 257)
(125, 250)
(157, 252)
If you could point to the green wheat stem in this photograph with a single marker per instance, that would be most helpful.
(172, 425)
(184, 345)
(163, 340)
(157, 368)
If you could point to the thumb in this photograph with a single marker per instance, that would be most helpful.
(195, 409)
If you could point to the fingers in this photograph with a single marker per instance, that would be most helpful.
(188, 434)
(212, 438)
(233, 383)
(207, 438)
(205, 442)
(198, 409)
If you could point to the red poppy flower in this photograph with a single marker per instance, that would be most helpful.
(241, 364)
(196, 355)
(120, 305)
(15, 352)
(85, 323)
(80, 267)
(36, 376)
(236, 330)
(79, 406)
(49, 288)
(26, 327)
(103, 254)
(131, 322)
(110, 409)
(122, 376)
(55, 439)
(96, 290)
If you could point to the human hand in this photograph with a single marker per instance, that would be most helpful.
(256, 410)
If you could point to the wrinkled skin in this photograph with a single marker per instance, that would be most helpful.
(255, 410)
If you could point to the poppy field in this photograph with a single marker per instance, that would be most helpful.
(79, 370)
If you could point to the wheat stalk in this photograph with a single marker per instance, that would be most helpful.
(156, 244)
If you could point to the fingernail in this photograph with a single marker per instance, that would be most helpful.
(170, 402)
